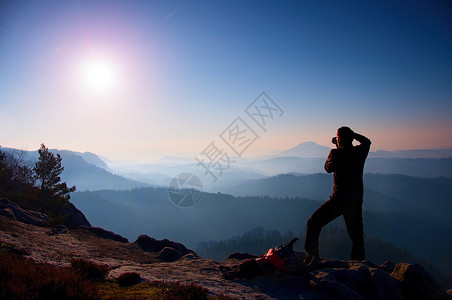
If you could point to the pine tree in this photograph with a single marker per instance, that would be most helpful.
(5, 171)
(47, 171)
(14, 172)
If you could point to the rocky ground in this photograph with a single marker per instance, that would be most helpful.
(329, 280)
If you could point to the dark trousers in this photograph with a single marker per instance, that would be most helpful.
(330, 210)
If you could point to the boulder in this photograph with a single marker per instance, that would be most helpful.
(191, 256)
(388, 266)
(104, 234)
(385, 286)
(74, 217)
(333, 264)
(8, 212)
(241, 255)
(416, 283)
(355, 279)
(13, 211)
(369, 263)
(149, 244)
(170, 254)
(63, 211)
(60, 229)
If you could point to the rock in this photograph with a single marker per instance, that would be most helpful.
(191, 256)
(13, 211)
(104, 234)
(353, 280)
(60, 229)
(331, 264)
(416, 283)
(359, 281)
(128, 279)
(369, 263)
(170, 254)
(8, 212)
(324, 288)
(149, 244)
(388, 266)
(241, 255)
(385, 286)
(64, 211)
(75, 217)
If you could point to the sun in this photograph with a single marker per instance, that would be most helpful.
(99, 75)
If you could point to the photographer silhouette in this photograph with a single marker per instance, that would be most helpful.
(346, 162)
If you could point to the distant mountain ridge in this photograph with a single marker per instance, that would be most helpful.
(415, 153)
(313, 150)
(419, 167)
(382, 193)
(84, 170)
(88, 171)
(90, 158)
(306, 150)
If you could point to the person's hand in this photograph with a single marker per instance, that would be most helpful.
(334, 141)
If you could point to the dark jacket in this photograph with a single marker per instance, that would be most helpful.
(347, 164)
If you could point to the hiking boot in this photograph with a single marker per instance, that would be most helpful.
(311, 262)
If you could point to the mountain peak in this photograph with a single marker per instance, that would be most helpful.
(307, 149)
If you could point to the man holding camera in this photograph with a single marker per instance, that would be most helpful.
(346, 162)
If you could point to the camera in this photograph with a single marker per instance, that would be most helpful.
(334, 140)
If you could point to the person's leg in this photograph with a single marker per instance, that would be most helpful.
(326, 213)
(354, 221)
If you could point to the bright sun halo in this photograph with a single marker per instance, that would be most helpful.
(99, 75)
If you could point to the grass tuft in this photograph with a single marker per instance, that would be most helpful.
(21, 278)
(90, 270)
(156, 291)
(179, 291)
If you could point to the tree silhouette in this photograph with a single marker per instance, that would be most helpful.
(5, 171)
(47, 171)
(14, 172)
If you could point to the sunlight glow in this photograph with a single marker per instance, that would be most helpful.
(99, 75)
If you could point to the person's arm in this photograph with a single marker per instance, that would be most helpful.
(329, 164)
(364, 145)
(362, 139)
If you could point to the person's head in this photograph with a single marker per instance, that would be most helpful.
(345, 136)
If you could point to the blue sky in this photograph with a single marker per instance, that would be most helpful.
(178, 73)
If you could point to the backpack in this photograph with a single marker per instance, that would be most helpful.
(281, 258)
